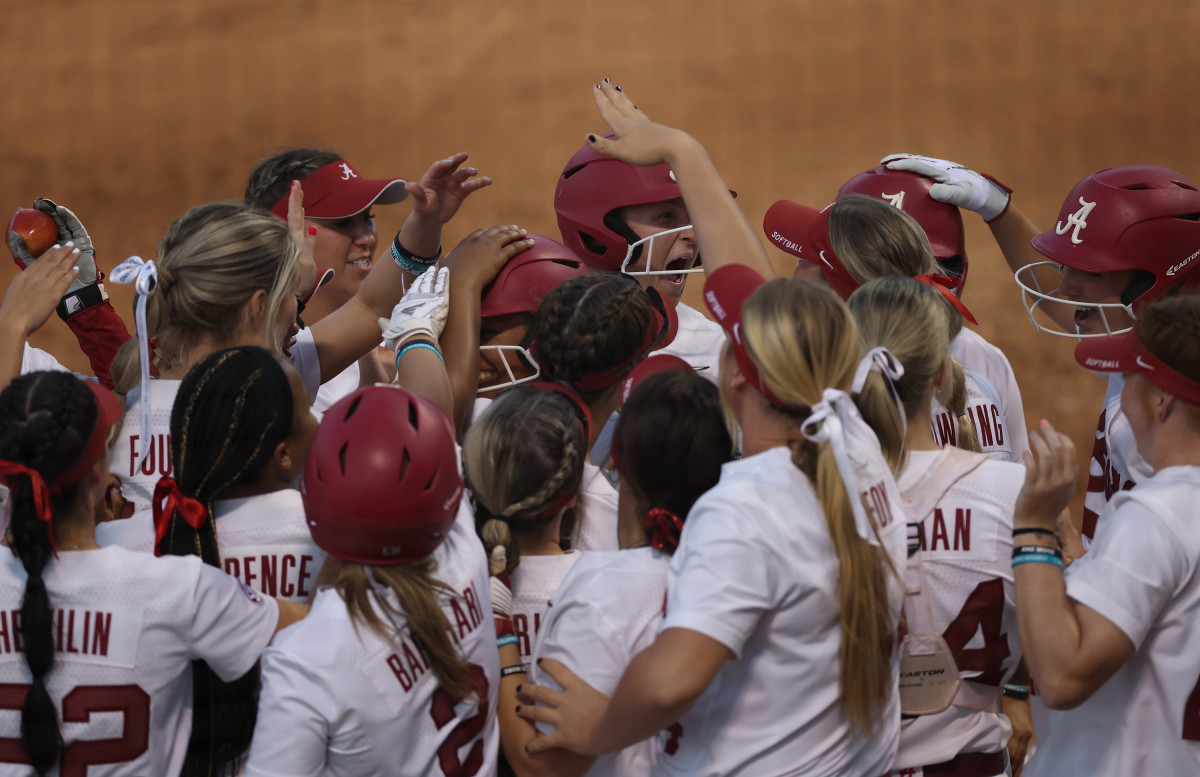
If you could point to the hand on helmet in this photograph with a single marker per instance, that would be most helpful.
(955, 185)
(483, 253)
(421, 311)
(638, 140)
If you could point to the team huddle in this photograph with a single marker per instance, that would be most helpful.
(516, 508)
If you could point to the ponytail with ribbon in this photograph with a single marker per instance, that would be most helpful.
(41, 495)
(664, 528)
(144, 277)
(946, 285)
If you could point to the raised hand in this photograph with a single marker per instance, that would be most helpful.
(638, 140)
(305, 237)
(444, 187)
(1051, 472)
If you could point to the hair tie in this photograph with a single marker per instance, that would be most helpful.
(664, 527)
(945, 284)
(41, 496)
(144, 277)
(880, 358)
(192, 510)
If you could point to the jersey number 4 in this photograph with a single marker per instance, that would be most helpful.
(983, 612)
(77, 707)
(468, 729)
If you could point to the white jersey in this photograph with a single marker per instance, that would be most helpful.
(963, 504)
(984, 410)
(138, 475)
(698, 342)
(596, 517)
(263, 540)
(756, 571)
(37, 360)
(126, 627)
(337, 700)
(341, 385)
(304, 359)
(533, 582)
(1142, 573)
(978, 355)
(1116, 464)
(606, 612)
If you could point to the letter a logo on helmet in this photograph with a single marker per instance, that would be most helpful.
(895, 200)
(1078, 220)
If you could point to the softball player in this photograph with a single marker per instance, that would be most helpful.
(98, 642)
(1111, 643)
(395, 671)
(858, 238)
(618, 216)
(737, 628)
(670, 443)
(962, 506)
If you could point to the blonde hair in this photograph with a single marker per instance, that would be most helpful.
(417, 592)
(212, 261)
(521, 456)
(907, 317)
(803, 340)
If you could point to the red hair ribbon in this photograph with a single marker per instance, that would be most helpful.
(945, 284)
(193, 511)
(665, 528)
(41, 496)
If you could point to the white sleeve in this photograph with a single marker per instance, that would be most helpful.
(304, 359)
(291, 736)
(1014, 410)
(37, 360)
(231, 624)
(1131, 571)
(721, 583)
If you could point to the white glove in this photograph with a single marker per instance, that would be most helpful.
(422, 310)
(955, 185)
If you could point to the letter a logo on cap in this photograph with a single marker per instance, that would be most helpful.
(347, 173)
(1078, 219)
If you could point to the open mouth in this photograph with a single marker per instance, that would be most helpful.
(364, 263)
(1084, 314)
(680, 263)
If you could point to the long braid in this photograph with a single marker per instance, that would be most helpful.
(43, 418)
(231, 411)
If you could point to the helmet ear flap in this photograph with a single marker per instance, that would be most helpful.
(1142, 282)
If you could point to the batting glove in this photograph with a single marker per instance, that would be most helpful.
(86, 290)
(955, 185)
(422, 310)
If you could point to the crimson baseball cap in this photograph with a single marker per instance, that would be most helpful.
(1127, 353)
(803, 232)
(725, 292)
(338, 191)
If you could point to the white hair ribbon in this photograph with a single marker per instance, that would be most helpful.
(832, 414)
(880, 358)
(144, 277)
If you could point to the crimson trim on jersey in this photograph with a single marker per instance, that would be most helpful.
(1127, 353)
(337, 191)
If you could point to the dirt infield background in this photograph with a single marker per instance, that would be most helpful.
(131, 111)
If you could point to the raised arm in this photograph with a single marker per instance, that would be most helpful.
(29, 301)
(343, 336)
(722, 231)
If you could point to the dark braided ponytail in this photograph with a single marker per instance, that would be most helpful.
(588, 325)
(45, 421)
(231, 411)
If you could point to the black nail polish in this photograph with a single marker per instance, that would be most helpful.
(607, 81)
(518, 708)
(539, 662)
(619, 89)
(591, 138)
(518, 689)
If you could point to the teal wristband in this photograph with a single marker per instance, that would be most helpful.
(409, 261)
(507, 639)
(414, 346)
(1037, 558)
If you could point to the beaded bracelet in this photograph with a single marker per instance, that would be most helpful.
(407, 260)
(514, 669)
(419, 344)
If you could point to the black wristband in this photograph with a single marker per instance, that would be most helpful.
(1043, 550)
(1014, 691)
(407, 260)
(514, 669)
(1035, 530)
(81, 299)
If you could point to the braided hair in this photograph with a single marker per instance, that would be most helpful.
(522, 457)
(232, 410)
(45, 421)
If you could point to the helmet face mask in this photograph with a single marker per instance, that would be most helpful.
(500, 351)
(1138, 218)
(648, 241)
(1035, 299)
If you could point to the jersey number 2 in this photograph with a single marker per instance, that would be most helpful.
(77, 707)
(468, 729)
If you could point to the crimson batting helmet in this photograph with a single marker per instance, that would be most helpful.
(592, 186)
(1138, 217)
(528, 277)
(382, 484)
(909, 192)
